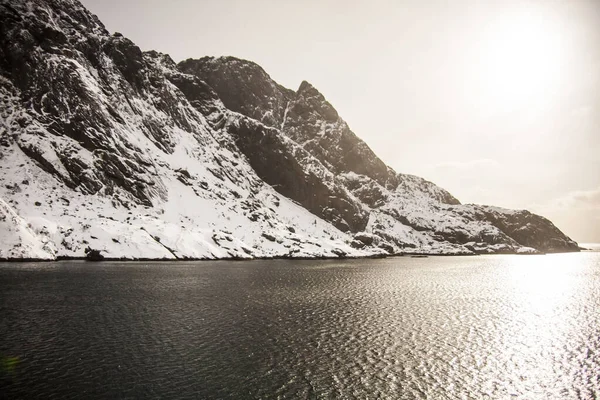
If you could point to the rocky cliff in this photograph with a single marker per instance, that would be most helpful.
(107, 151)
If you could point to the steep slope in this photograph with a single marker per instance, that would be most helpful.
(101, 154)
(391, 209)
(107, 151)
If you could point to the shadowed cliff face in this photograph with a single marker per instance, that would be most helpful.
(308, 124)
(243, 87)
(293, 170)
(304, 116)
(280, 164)
(192, 145)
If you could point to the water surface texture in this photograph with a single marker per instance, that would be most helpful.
(489, 327)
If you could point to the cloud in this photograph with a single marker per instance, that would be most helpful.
(580, 199)
(577, 212)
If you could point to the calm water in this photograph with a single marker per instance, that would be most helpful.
(525, 327)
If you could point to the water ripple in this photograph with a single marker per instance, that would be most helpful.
(445, 328)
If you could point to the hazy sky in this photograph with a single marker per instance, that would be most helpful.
(496, 101)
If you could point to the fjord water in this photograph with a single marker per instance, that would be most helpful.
(489, 327)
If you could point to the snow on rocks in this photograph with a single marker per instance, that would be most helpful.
(19, 240)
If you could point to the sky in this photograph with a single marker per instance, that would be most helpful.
(496, 101)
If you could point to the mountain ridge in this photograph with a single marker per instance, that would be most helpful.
(111, 151)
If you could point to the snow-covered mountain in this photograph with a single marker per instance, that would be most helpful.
(107, 151)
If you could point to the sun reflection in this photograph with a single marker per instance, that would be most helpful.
(542, 282)
(539, 324)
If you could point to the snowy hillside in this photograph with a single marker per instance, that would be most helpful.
(106, 151)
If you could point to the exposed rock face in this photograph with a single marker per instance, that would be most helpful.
(303, 116)
(243, 87)
(403, 210)
(104, 147)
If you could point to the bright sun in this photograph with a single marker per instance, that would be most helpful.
(521, 59)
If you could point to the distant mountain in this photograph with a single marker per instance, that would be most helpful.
(108, 151)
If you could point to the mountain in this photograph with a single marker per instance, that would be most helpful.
(111, 152)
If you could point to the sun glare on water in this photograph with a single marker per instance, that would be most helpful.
(543, 282)
(544, 292)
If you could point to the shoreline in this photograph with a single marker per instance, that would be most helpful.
(374, 256)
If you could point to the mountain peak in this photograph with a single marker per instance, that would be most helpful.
(304, 86)
(243, 86)
(307, 90)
